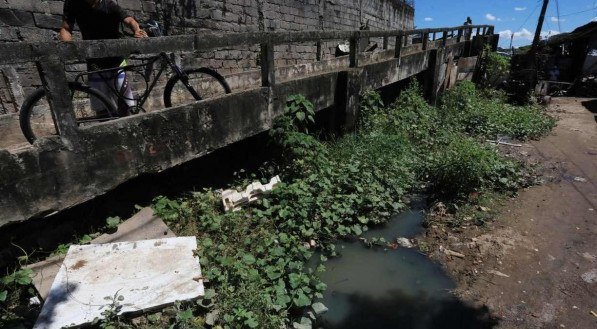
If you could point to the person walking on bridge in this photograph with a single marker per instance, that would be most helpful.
(101, 19)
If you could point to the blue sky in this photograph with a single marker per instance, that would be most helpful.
(518, 17)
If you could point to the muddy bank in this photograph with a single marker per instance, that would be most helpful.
(533, 261)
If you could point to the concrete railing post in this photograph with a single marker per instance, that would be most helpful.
(354, 49)
(444, 38)
(385, 43)
(53, 77)
(434, 36)
(459, 37)
(268, 65)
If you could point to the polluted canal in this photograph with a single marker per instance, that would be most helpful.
(392, 287)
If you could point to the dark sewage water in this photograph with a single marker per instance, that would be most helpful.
(401, 288)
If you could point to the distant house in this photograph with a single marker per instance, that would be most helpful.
(568, 50)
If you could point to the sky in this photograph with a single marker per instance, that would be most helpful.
(510, 17)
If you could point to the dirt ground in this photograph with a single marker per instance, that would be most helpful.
(534, 265)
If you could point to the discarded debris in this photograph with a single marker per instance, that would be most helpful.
(233, 200)
(404, 242)
(450, 252)
(498, 273)
(135, 276)
(499, 142)
(142, 226)
(594, 313)
(580, 179)
(590, 276)
(319, 308)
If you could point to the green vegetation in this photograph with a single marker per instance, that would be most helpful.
(476, 113)
(254, 260)
(495, 68)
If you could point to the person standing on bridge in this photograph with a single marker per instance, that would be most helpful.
(100, 19)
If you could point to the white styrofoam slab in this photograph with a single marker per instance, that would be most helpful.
(148, 274)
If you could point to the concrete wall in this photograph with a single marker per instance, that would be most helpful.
(37, 20)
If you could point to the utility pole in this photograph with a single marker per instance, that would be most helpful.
(540, 25)
(511, 48)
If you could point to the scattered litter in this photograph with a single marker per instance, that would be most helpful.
(142, 226)
(580, 179)
(404, 242)
(588, 256)
(34, 301)
(305, 323)
(319, 308)
(502, 141)
(212, 317)
(129, 276)
(594, 313)
(498, 273)
(590, 276)
(233, 200)
(484, 209)
(450, 252)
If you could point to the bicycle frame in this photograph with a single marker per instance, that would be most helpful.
(165, 61)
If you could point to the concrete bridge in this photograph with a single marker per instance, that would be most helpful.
(62, 171)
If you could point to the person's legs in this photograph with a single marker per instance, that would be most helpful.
(102, 82)
(125, 91)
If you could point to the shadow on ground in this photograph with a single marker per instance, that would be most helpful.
(591, 106)
(401, 311)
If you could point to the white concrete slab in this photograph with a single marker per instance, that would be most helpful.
(148, 274)
(144, 225)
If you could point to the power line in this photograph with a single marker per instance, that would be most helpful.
(578, 12)
(527, 19)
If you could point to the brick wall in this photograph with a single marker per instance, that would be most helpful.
(39, 20)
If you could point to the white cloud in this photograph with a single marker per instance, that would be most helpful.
(520, 8)
(555, 19)
(490, 17)
(505, 34)
(549, 33)
(525, 34)
(499, 19)
(428, 19)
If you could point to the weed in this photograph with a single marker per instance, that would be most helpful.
(470, 111)
(111, 318)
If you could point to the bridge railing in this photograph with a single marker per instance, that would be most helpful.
(51, 56)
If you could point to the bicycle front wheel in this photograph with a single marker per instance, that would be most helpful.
(206, 82)
(90, 106)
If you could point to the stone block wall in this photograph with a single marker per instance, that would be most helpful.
(39, 20)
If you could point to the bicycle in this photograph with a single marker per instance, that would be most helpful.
(183, 87)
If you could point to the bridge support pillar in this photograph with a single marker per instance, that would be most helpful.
(347, 98)
(435, 75)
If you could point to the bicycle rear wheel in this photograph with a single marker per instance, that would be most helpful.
(36, 118)
(206, 82)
